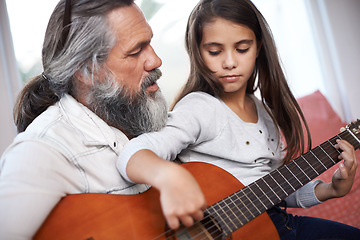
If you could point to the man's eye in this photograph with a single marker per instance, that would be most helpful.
(214, 53)
(242, 50)
(135, 53)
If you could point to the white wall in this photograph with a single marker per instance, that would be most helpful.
(336, 27)
(9, 80)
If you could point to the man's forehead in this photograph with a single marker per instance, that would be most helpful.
(125, 15)
(130, 27)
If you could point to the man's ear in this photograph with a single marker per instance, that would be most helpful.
(82, 79)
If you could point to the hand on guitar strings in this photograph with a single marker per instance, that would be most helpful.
(343, 177)
(181, 198)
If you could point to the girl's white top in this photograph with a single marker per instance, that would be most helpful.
(202, 128)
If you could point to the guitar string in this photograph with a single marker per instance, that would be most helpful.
(316, 165)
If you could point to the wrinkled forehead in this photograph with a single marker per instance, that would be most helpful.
(127, 16)
(129, 26)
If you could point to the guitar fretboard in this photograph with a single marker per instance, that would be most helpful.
(241, 207)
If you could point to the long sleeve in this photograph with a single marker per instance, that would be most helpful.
(304, 197)
(185, 127)
(29, 188)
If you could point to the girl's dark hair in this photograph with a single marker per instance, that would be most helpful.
(86, 48)
(268, 75)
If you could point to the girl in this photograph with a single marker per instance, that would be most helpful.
(218, 120)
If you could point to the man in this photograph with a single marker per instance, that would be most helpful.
(98, 89)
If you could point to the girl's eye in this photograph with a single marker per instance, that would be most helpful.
(214, 53)
(242, 50)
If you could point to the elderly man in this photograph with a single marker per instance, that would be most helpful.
(98, 89)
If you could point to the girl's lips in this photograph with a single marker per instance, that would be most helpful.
(230, 78)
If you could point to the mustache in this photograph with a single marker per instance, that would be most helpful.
(153, 76)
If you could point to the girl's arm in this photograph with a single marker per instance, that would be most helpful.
(343, 178)
(181, 197)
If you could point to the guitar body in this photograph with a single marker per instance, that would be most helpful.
(107, 216)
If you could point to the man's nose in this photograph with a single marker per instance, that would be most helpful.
(153, 61)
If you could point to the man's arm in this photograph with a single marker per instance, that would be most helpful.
(32, 181)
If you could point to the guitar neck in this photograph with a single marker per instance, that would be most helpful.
(241, 207)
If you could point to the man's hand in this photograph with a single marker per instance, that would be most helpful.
(181, 198)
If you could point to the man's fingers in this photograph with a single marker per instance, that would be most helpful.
(187, 221)
(198, 215)
(173, 222)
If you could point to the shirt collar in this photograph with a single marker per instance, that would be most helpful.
(93, 129)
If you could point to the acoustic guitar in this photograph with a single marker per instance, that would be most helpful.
(235, 212)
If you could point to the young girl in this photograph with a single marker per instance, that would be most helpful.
(218, 120)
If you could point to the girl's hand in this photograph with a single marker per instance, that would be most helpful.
(343, 178)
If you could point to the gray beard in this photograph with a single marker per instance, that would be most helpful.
(137, 114)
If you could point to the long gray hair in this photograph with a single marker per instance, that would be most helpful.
(85, 49)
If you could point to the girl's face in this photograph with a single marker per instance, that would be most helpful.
(229, 50)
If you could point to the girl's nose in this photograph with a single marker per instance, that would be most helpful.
(229, 61)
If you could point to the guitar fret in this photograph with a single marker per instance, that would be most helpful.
(301, 170)
(277, 196)
(245, 205)
(241, 205)
(278, 184)
(331, 153)
(224, 209)
(238, 209)
(252, 202)
(258, 198)
(266, 195)
(216, 211)
(334, 147)
(310, 165)
(294, 175)
(327, 155)
(277, 170)
(318, 159)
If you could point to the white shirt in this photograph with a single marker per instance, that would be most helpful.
(66, 150)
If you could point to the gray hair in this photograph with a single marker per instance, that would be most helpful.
(87, 46)
(86, 49)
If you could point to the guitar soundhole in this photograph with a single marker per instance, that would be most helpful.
(207, 228)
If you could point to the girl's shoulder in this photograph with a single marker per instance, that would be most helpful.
(199, 103)
(197, 98)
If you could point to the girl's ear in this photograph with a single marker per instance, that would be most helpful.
(259, 46)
